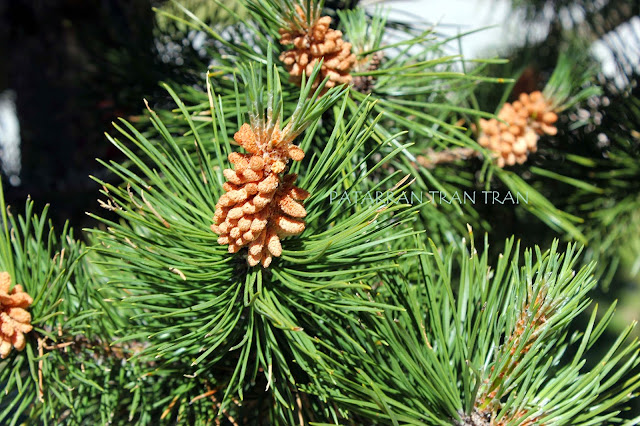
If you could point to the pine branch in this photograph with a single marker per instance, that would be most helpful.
(203, 307)
(46, 378)
(483, 345)
(435, 158)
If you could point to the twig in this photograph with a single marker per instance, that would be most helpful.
(204, 395)
(58, 346)
(167, 410)
(131, 197)
(40, 366)
(164, 222)
(433, 158)
(300, 416)
(217, 405)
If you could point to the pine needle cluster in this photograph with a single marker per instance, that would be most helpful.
(269, 256)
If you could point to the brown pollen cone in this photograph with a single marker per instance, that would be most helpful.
(15, 321)
(365, 83)
(525, 120)
(260, 204)
(310, 44)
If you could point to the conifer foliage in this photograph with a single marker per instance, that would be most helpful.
(486, 344)
(267, 256)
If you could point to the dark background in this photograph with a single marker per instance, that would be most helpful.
(74, 66)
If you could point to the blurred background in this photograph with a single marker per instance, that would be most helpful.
(70, 67)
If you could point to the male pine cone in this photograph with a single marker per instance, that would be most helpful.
(525, 120)
(260, 204)
(15, 321)
(310, 44)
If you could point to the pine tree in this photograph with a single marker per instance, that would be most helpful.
(289, 242)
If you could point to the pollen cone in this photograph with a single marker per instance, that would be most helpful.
(261, 204)
(15, 321)
(517, 135)
(310, 45)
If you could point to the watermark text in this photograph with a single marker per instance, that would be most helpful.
(439, 197)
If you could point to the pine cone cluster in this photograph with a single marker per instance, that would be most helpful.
(525, 121)
(260, 204)
(310, 44)
(15, 321)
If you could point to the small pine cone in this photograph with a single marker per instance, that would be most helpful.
(310, 44)
(525, 120)
(260, 205)
(15, 321)
(365, 83)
